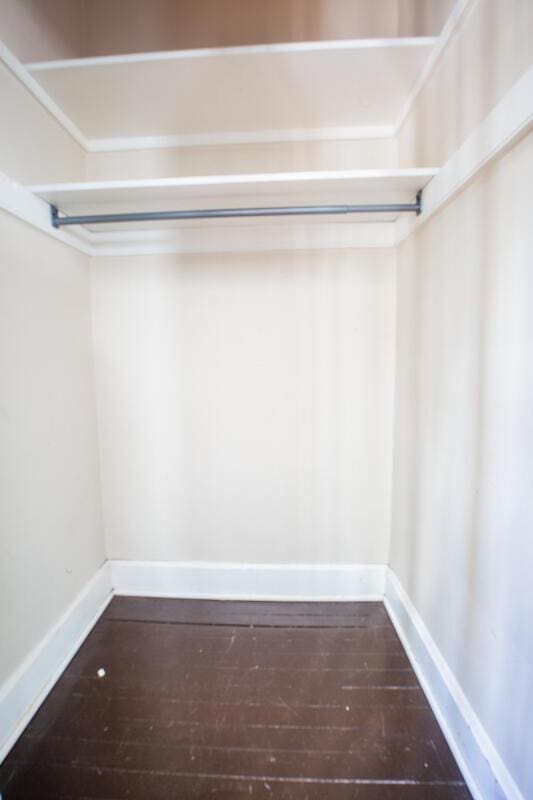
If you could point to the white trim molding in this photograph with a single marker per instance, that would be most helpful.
(229, 581)
(150, 186)
(231, 52)
(449, 30)
(483, 769)
(27, 688)
(22, 74)
(23, 204)
(216, 139)
(502, 128)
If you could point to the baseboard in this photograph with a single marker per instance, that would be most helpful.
(227, 581)
(483, 769)
(27, 688)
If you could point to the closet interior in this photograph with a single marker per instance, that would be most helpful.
(265, 347)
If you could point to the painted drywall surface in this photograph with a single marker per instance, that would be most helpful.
(487, 54)
(242, 158)
(422, 17)
(51, 535)
(245, 405)
(34, 147)
(462, 512)
(40, 30)
(142, 25)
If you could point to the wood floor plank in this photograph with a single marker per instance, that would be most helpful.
(214, 632)
(309, 709)
(216, 722)
(88, 663)
(44, 783)
(372, 759)
(229, 700)
(193, 679)
(245, 613)
(375, 726)
(167, 641)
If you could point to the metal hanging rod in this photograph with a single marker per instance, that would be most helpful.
(219, 213)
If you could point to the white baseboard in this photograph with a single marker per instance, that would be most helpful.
(483, 769)
(226, 581)
(27, 688)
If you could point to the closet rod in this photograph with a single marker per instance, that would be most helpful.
(218, 213)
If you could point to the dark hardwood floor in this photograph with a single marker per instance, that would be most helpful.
(206, 699)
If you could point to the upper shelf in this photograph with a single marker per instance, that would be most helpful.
(227, 191)
(310, 85)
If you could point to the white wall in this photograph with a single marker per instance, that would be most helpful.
(140, 25)
(241, 158)
(489, 51)
(51, 536)
(423, 17)
(245, 405)
(462, 514)
(39, 30)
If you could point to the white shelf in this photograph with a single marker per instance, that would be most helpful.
(225, 191)
(189, 93)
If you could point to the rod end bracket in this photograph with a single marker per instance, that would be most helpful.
(54, 216)
(419, 195)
